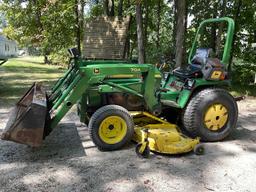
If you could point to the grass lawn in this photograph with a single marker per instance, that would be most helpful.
(17, 75)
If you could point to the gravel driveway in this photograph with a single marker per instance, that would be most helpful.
(68, 161)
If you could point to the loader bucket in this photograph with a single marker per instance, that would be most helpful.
(27, 120)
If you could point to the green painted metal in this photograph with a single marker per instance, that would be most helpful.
(61, 80)
(151, 87)
(61, 84)
(229, 38)
(69, 100)
(179, 97)
(183, 99)
(124, 89)
(100, 75)
(185, 94)
(67, 92)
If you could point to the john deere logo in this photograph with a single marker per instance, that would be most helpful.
(135, 69)
(96, 71)
(216, 74)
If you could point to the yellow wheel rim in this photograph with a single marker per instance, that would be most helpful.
(112, 130)
(216, 117)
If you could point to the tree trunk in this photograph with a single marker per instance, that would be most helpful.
(141, 51)
(146, 19)
(38, 15)
(236, 16)
(180, 32)
(120, 8)
(46, 59)
(128, 3)
(109, 7)
(77, 25)
(82, 22)
(174, 23)
(185, 33)
(254, 36)
(158, 23)
(220, 31)
(112, 7)
(106, 8)
(127, 47)
(214, 27)
(128, 43)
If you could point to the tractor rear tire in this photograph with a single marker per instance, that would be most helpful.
(111, 127)
(211, 114)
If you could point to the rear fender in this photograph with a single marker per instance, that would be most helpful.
(187, 93)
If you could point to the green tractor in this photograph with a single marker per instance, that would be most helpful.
(120, 101)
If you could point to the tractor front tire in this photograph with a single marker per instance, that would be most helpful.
(211, 114)
(111, 127)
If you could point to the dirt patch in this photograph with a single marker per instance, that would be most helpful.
(68, 161)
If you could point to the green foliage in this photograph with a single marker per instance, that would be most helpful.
(166, 43)
(243, 73)
(96, 10)
(48, 25)
(59, 57)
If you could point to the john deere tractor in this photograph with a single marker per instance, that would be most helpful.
(121, 101)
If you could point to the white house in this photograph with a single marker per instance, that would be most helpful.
(8, 48)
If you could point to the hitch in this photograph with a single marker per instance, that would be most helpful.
(240, 98)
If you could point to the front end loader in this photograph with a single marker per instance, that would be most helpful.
(121, 101)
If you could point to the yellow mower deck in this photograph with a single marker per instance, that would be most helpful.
(160, 136)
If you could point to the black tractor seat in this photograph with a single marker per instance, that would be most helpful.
(194, 70)
(189, 72)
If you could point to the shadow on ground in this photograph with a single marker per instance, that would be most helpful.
(69, 161)
(63, 143)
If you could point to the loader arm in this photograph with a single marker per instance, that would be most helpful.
(76, 82)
